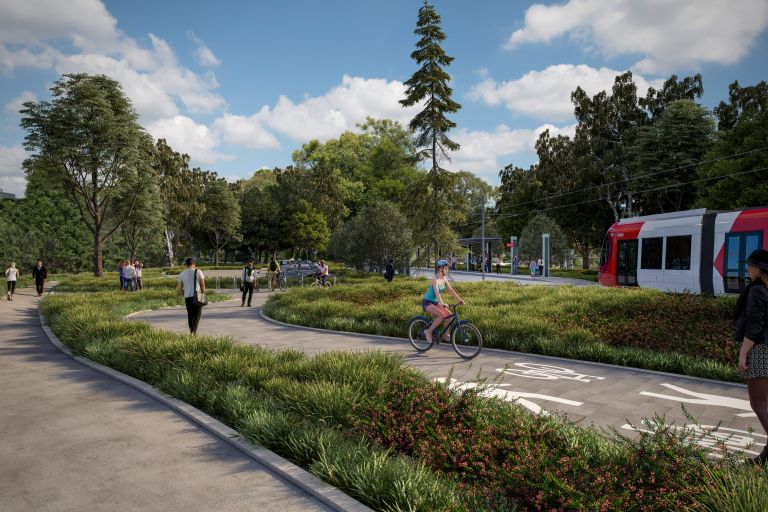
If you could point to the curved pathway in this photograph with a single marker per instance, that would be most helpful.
(76, 440)
(591, 393)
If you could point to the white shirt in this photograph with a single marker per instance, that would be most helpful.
(128, 272)
(138, 271)
(187, 278)
(11, 273)
(245, 274)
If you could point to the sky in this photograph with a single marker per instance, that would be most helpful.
(240, 85)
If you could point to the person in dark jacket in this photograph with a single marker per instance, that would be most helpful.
(389, 271)
(751, 325)
(39, 274)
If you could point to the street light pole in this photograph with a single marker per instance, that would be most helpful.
(482, 237)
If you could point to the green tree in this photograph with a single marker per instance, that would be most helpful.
(305, 229)
(737, 178)
(221, 222)
(689, 88)
(89, 139)
(364, 248)
(666, 153)
(181, 190)
(530, 239)
(606, 126)
(429, 84)
(260, 219)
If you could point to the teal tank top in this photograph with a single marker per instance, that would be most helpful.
(430, 295)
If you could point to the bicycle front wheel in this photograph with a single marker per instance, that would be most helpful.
(283, 283)
(467, 340)
(416, 336)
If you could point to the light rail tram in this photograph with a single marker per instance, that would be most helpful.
(699, 251)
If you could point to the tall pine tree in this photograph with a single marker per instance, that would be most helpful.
(429, 84)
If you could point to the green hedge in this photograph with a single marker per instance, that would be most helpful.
(678, 333)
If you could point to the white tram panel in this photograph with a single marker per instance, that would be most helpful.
(672, 279)
(723, 225)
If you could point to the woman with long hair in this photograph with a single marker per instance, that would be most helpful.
(751, 325)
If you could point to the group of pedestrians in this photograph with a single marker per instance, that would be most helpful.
(39, 274)
(130, 275)
(537, 267)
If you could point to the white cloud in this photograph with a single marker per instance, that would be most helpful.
(327, 116)
(186, 136)
(547, 94)
(12, 178)
(481, 152)
(152, 77)
(16, 103)
(245, 131)
(203, 54)
(671, 36)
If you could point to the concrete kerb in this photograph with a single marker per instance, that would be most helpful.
(323, 492)
(521, 354)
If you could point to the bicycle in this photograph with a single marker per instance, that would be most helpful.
(319, 282)
(465, 337)
(281, 282)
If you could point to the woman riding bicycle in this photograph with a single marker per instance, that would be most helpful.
(433, 300)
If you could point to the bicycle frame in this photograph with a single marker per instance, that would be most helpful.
(454, 321)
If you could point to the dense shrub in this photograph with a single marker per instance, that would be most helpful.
(678, 333)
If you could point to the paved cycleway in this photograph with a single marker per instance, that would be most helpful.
(72, 439)
(591, 393)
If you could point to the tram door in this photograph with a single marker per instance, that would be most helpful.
(626, 264)
(738, 247)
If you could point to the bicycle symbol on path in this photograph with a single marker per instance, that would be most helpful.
(712, 437)
(509, 395)
(546, 372)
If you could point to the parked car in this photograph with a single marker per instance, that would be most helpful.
(299, 268)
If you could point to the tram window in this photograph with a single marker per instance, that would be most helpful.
(678, 253)
(652, 249)
(605, 251)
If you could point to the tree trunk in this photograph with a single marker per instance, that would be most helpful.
(584, 251)
(98, 248)
(169, 256)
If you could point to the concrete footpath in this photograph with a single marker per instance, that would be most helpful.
(72, 439)
(612, 397)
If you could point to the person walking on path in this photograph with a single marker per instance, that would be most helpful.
(454, 260)
(515, 264)
(39, 274)
(751, 326)
(273, 269)
(248, 278)
(129, 273)
(137, 266)
(389, 271)
(540, 266)
(11, 273)
(120, 267)
(498, 264)
(187, 287)
(533, 268)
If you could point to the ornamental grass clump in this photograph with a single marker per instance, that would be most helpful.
(679, 333)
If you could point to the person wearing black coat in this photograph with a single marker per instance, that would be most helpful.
(751, 329)
(389, 271)
(39, 274)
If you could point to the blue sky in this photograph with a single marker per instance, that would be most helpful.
(240, 85)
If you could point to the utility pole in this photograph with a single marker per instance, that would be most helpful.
(482, 238)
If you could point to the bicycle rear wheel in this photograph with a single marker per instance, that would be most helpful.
(282, 282)
(467, 340)
(416, 336)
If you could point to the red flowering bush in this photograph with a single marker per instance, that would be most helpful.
(499, 453)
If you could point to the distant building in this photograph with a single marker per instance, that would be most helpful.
(6, 195)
